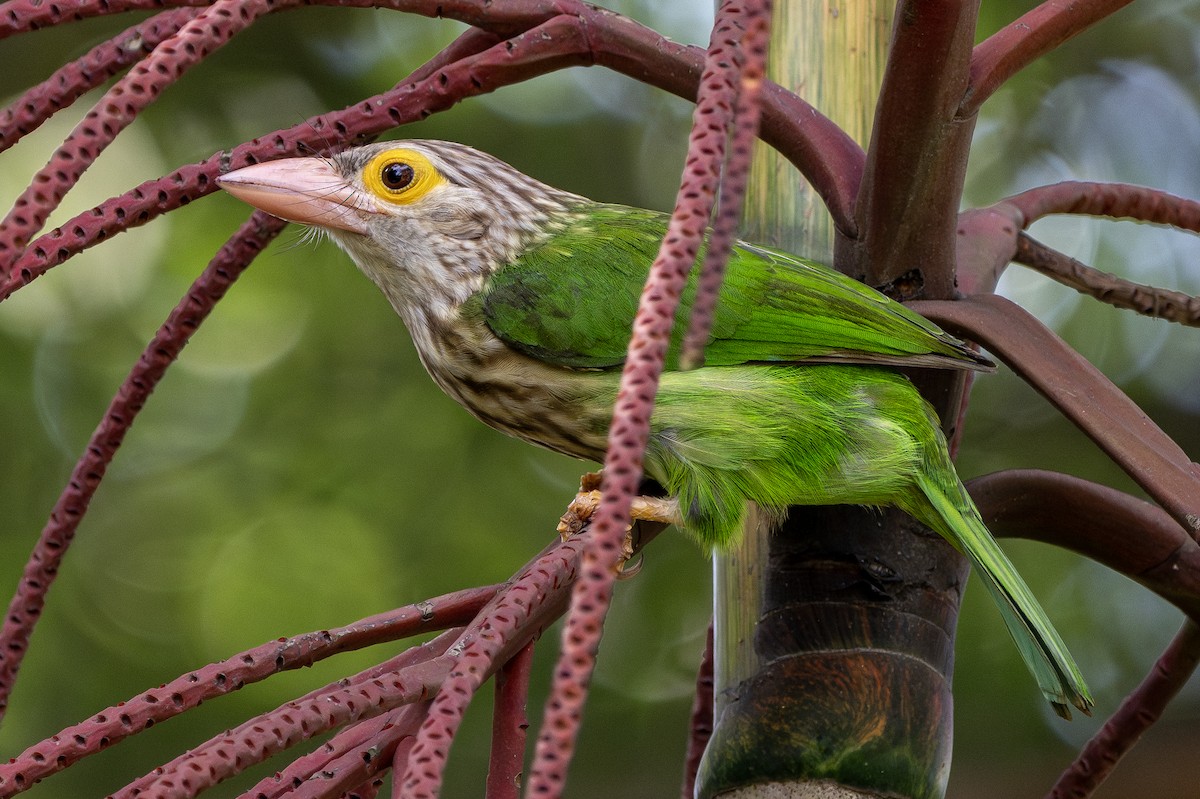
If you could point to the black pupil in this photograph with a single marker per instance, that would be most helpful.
(397, 176)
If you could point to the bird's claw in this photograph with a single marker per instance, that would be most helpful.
(579, 512)
(583, 507)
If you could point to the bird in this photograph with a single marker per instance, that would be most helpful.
(520, 297)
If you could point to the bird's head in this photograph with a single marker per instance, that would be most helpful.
(428, 221)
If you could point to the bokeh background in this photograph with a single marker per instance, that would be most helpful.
(297, 470)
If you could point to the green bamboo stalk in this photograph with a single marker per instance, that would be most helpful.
(822, 687)
(831, 54)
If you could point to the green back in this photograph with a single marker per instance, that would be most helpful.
(571, 300)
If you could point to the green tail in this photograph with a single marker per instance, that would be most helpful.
(952, 513)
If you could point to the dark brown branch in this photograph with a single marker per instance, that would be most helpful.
(1033, 35)
(700, 726)
(1159, 303)
(1140, 709)
(916, 162)
(1083, 394)
(1126, 534)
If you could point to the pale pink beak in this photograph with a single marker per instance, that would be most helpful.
(306, 190)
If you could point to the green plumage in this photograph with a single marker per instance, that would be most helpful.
(520, 299)
(570, 299)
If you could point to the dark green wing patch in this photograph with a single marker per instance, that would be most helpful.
(571, 299)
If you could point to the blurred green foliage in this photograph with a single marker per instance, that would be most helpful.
(297, 470)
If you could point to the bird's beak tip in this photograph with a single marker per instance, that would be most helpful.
(304, 190)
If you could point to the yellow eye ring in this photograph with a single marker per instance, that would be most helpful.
(400, 176)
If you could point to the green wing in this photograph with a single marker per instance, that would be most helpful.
(571, 300)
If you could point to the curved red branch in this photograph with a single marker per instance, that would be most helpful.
(1115, 200)
(582, 34)
(255, 740)
(116, 110)
(71, 81)
(515, 616)
(1126, 534)
(1020, 43)
(357, 757)
(547, 48)
(1083, 394)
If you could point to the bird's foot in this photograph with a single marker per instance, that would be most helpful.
(649, 509)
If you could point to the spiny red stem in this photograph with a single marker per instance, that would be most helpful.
(235, 750)
(545, 49)
(515, 616)
(357, 765)
(821, 151)
(364, 740)
(635, 403)
(255, 740)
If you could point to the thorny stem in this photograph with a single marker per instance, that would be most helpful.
(358, 766)
(119, 107)
(71, 81)
(114, 724)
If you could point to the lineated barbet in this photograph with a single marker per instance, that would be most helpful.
(520, 300)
